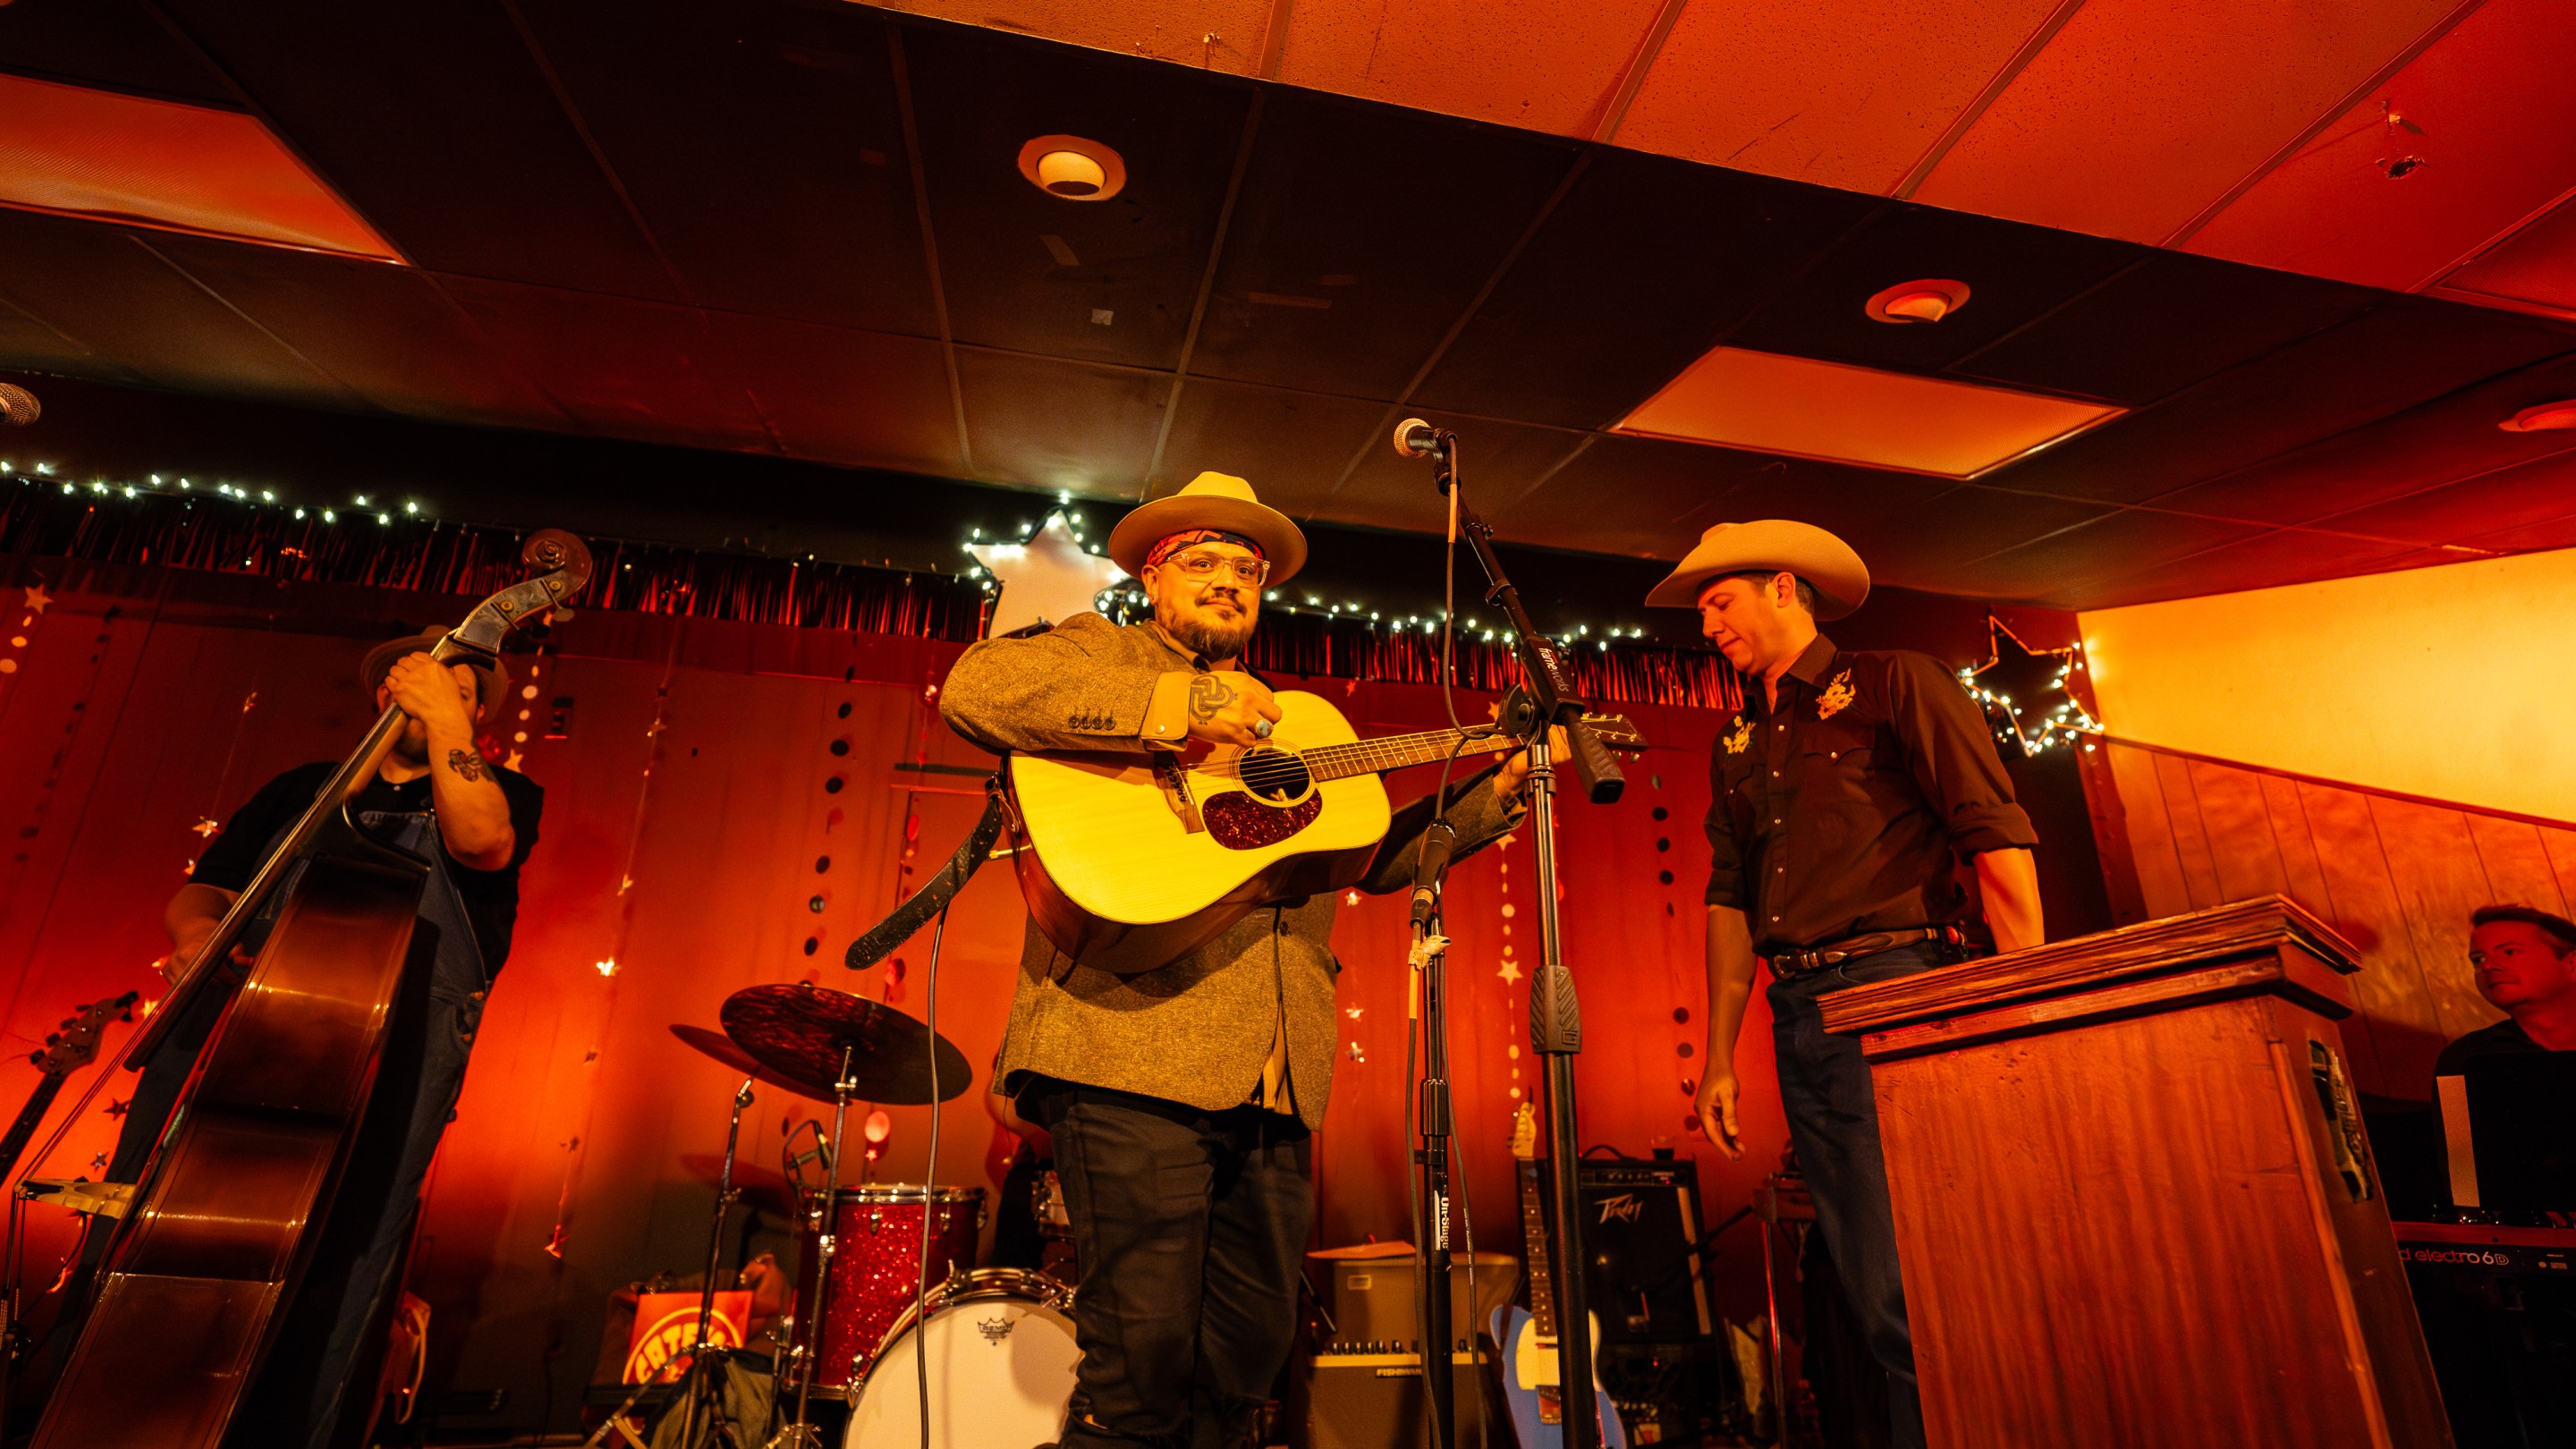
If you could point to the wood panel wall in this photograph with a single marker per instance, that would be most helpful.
(2396, 874)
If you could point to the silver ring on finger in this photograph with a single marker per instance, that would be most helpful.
(1261, 729)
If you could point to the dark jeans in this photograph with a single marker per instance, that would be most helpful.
(1189, 1225)
(1833, 1120)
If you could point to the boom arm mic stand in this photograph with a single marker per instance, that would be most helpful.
(1556, 1020)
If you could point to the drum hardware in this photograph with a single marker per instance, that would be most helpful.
(703, 1379)
(1000, 1356)
(797, 1433)
(876, 1267)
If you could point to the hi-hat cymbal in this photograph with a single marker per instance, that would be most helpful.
(720, 1046)
(803, 1033)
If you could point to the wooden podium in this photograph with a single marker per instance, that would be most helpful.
(2133, 1200)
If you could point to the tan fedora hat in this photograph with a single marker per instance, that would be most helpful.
(1210, 500)
(496, 676)
(1829, 566)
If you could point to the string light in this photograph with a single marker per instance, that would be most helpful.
(158, 485)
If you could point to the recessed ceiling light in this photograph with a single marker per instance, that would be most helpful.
(2546, 418)
(1925, 301)
(1073, 167)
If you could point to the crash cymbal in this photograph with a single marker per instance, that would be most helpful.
(800, 1032)
(720, 1046)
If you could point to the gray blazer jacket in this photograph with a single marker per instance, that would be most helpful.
(1199, 1029)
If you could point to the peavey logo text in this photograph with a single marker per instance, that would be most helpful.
(1627, 1207)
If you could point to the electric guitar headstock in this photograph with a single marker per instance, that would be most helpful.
(1525, 1133)
(76, 1045)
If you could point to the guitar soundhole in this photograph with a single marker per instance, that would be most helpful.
(1274, 775)
(1240, 822)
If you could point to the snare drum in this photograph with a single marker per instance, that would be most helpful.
(876, 1267)
(1001, 1361)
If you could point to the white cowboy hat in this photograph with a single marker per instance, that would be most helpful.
(1829, 566)
(1210, 500)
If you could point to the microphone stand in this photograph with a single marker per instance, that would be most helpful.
(1428, 1005)
(1556, 1019)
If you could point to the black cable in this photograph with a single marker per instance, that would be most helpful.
(929, 1177)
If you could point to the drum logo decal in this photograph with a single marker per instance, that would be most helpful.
(995, 1329)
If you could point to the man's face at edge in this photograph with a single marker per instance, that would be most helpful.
(1213, 616)
(2518, 966)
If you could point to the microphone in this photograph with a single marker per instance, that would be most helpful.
(1438, 843)
(17, 406)
(1415, 438)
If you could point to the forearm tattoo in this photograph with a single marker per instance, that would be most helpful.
(1208, 695)
(466, 763)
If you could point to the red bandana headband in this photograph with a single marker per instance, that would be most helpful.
(1172, 543)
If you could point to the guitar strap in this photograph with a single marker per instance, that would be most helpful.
(935, 893)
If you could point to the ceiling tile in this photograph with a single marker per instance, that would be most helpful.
(2284, 556)
(1675, 253)
(385, 331)
(105, 290)
(2536, 266)
(2165, 322)
(1501, 461)
(1851, 95)
(2454, 437)
(113, 43)
(1804, 408)
(1169, 30)
(2402, 352)
(1042, 423)
(1918, 545)
(624, 368)
(844, 396)
(2014, 273)
(2536, 492)
(2176, 101)
(1541, 65)
(437, 126)
(2559, 532)
(2059, 568)
(2497, 140)
(1293, 446)
(1139, 255)
(764, 148)
(1339, 273)
(1634, 495)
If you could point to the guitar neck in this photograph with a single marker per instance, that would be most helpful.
(1542, 1287)
(30, 1118)
(1396, 752)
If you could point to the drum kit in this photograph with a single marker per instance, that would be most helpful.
(891, 1315)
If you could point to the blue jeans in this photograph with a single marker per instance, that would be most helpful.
(1833, 1120)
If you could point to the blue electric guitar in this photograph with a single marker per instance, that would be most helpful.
(1528, 1337)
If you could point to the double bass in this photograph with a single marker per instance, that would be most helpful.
(214, 1238)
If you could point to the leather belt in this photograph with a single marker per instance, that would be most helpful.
(1817, 958)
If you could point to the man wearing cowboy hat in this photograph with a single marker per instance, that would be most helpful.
(437, 796)
(1843, 794)
(1180, 1100)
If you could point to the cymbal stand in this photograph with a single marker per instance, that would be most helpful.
(798, 1434)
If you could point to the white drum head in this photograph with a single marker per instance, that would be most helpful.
(1001, 1373)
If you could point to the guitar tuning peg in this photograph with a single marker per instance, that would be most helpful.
(37, 1057)
(53, 1038)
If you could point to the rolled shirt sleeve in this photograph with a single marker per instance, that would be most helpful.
(1951, 752)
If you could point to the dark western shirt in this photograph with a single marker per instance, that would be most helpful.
(1844, 810)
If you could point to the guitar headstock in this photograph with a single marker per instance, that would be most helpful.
(76, 1045)
(1617, 731)
(566, 561)
(1525, 1133)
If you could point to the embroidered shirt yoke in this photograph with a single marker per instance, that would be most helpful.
(1842, 811)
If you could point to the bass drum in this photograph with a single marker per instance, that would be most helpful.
(1001, 1356)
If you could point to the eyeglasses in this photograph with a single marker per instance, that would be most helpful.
(1249, 572)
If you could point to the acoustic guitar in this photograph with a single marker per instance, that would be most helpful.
(1532, 1382)
(1128, 862)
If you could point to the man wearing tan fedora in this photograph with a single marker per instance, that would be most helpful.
(437, 796)
(1843, 794)
(1181, 1099)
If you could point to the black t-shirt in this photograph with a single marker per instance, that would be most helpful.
(2505, 1038)
(491, 897)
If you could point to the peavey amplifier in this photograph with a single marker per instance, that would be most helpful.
(1641, 1226)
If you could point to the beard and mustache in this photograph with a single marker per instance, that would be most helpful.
(1210, 637)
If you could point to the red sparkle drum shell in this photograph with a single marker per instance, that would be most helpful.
(876, 1269)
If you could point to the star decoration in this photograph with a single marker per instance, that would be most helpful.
(1511, 970)
(2026, 692)
(207, 825)
(119, 1107)
(1353, 1012)
(1046, 580)
(37, 599)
